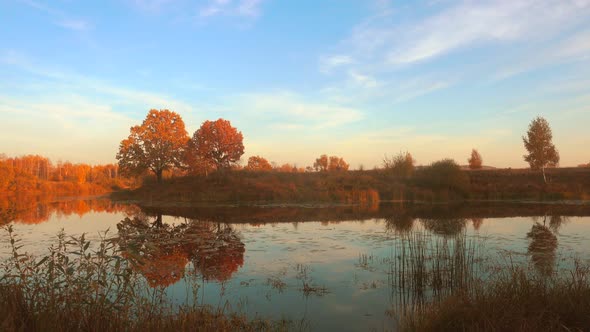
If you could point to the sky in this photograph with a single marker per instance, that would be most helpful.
(299, 78)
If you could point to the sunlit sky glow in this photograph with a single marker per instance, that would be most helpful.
(358, 79)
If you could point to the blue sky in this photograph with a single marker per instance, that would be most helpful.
(358, 79)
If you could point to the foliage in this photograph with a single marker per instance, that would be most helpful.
(321, 163)
(258, 163)
(538, 142)
(37, 174)
(337, 164)
(157, 144)
(332, 163)
(445, 175)
(400, 165)
(475, 161)
(217, 142)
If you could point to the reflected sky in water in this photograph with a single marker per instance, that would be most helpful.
(264, 269)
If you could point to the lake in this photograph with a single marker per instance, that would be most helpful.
(325, 268)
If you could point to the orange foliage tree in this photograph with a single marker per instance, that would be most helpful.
(218, 143)
(321, 163)
(258, 163)
(337, 164)
(332, 163)
(475, 161)
(157, 145)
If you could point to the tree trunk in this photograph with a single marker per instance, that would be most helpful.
(158, 222)
(544, 177)
(159, 175)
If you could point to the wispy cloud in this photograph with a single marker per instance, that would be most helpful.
(59, 17)
(151, 5)
(388, 56)
(56, 82)
(247, 8)
(575, 47)
(328, 63)
(479, 22)
(73, 24)
(288, 110)
(362, 80)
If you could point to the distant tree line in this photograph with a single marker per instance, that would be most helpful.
(33, 172)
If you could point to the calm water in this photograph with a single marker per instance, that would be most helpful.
(331, 268)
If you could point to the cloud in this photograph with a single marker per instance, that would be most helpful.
(246, 8)
(386, 41)
(365, 81)
(327, 63)
(151, 5)
(575, 47)
(73, 24)
(288, 110)
(60, 17)
(480, 22)
(56, 82)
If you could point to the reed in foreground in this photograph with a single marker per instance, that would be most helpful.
(512, 300)
(81, 286)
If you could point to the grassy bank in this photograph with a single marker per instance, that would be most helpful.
(364, 187)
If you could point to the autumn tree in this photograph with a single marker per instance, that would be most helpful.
(158, 144)
(475, 161)
(400, 165)
(538, 142)
(332, 163)
(337, 164)
(258, 163)
(217, 142)
(321, 163)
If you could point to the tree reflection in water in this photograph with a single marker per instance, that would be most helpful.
(161, 251)
(543, 246)
(400, 223)
(445, 227)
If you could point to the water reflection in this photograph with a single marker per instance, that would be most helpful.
(444, 226)
(400, 223)
(543, 244)
(368, 260)
(34, 209)
(161, 251)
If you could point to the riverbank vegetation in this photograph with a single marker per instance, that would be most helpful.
(442, 181)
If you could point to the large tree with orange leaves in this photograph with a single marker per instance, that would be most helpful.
(217, 142)
(157, 145)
